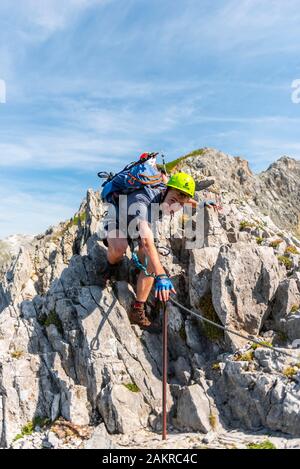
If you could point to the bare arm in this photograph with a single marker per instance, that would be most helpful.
(147, 242)
(163, 285)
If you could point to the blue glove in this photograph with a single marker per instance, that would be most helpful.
(163, 287)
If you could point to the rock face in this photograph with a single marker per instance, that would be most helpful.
(254, 399)
(68, 350)
(282, 196)
(100, 439)
(67, 347)
(193, 409)
(244, 281)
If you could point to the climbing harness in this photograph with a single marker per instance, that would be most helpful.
(139, 265)
(226, 329)
(163, 250)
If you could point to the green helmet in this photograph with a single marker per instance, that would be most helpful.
(182, 182)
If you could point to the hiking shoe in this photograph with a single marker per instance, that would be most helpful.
(138, 316)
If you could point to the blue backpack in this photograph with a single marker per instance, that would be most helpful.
(133, 177)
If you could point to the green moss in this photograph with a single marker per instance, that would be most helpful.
(291, 250)
(173, 164)
(53, 318)
(274, 244)
(284, 260)
(17, 354)
(245, 357)
(29, 428)
(206, 306)
(132, 387)
(215, 366)
(212, 420)
(266, 444)
(79, 218)
(58, 235)
(262, 343)
(259, 240)
(290, 371)
(294, 309)
(244, 224)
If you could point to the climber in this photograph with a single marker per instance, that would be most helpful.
(171, 196)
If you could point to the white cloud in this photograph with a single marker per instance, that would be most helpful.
(76, 151)
(278, 147)
(47, 15)
(2, 91)
(24, 213)
(252, 26)
(90, 135)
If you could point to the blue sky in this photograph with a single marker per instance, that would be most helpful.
(92, 83)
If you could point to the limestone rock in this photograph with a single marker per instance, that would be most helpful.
(255, 399)
(99, 439)
(123, 411)
(182, 370)
(287, 297)
(193, 409)
(244, 282)
(202, 262)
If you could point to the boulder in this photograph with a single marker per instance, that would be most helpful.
(290, 326)
(287, 301)
(100, 439)
(244, 281)
(202, 262)
(193, 410)
(123, 410)
(182, 370)
(254, 399)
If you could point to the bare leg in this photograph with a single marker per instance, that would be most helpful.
(144, 283)
(116, 247)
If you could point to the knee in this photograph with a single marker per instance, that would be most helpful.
(118, 248)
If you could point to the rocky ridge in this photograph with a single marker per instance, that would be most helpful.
(74, 372)
(275, 191)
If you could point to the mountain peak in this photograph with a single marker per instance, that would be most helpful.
(285, 162)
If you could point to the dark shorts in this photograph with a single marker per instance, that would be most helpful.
(112, 223)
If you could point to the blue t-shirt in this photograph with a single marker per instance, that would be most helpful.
(143, 199)
(144, 204)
